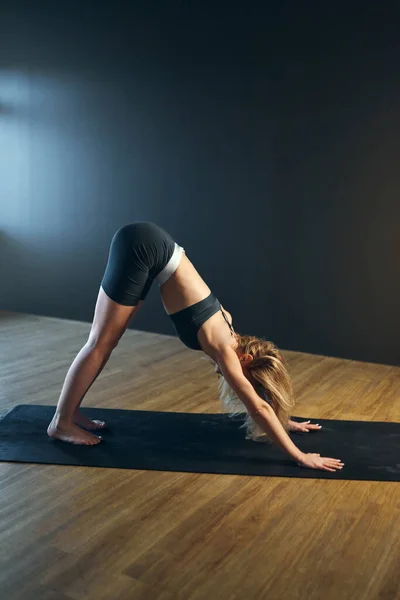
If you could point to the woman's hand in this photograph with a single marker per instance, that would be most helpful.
(306, 426)
(315, 461)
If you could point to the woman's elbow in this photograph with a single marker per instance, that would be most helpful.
(263, 410)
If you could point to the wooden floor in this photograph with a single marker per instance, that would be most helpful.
(109, 534)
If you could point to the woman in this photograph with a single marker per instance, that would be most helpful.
(254, 373)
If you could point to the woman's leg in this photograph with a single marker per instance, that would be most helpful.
(110, 322)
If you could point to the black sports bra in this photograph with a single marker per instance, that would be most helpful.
(188, 321)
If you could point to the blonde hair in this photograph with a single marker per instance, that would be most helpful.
(270, 378)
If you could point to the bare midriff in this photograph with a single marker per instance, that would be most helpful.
(186, 287)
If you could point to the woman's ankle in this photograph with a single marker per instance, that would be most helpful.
(62, 420)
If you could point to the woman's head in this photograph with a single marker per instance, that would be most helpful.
(265, 368)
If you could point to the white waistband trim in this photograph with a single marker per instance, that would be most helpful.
(171, 265)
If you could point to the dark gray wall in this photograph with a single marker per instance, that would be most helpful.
(267, 143)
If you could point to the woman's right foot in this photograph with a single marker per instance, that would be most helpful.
(72, 434)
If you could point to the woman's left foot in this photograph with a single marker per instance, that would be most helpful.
(90, 424)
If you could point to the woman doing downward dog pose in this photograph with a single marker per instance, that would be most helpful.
(254, 376)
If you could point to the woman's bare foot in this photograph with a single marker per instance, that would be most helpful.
(68, 432)
(91, 424)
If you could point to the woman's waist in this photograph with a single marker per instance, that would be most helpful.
(178, 295)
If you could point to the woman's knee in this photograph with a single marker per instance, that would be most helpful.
(102, 344)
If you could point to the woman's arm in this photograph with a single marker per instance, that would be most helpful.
(262, 413)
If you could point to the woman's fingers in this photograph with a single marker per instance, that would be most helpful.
(310, 426)
(333, 464)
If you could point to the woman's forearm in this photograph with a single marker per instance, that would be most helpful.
(266, 418)
(263, 414)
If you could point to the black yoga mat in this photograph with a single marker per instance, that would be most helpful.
(201, 443)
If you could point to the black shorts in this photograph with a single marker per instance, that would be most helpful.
(138, 253)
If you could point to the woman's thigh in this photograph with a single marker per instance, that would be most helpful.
(110, 321)
(137, 253)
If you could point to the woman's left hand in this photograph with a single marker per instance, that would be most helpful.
(305, 427)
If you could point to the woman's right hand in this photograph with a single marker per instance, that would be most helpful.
(315, 461)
